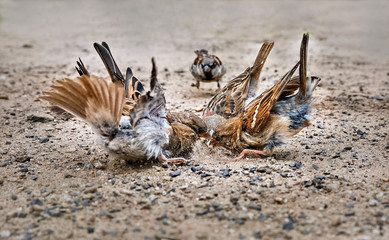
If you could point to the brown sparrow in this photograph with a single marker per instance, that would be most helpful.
(185, 127)
(278, 113)
(134, 128)
(207, 68)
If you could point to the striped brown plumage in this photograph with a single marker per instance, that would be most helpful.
(130, 123)
(231, 99)
(275, 115)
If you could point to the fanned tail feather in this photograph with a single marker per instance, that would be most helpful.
(303, 66)
(153, 79)
(307, 84)
(260, 59)
(152, 103)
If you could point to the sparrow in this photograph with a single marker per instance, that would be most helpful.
(185, 127)
(207, 68)
(276, 114)
(130, 123)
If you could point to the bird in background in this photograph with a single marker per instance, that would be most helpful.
(266, 121)
(130, 123)
(207, 68)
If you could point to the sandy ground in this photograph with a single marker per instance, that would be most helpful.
(330, 181)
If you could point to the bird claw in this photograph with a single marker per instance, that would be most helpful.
(249, 151)
(163, 158)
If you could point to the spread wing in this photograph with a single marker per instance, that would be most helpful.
(109, 62)
(92, 99)
(230, 100)
(257, 112)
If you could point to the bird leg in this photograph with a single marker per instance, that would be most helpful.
(249, 151)
(197, 85)
(163, 158)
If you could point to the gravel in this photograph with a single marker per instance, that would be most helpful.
(328, 182)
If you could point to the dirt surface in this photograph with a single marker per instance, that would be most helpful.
(330, 181)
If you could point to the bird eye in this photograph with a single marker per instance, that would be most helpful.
(217, 139)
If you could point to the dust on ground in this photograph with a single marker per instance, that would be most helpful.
(330, 181)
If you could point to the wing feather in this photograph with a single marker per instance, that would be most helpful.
(90, 98)
(236, 91)
(258, 111)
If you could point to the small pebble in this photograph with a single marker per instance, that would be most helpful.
(349, 214)
(90, 189)
(349, 205)
(195, 169)
(5, 234)
(175, 173)
(295, 165)
(90, 229)
(387, 146)
(202, 213)
(255, 207)
(36, 201)
(288, 226)
(373, 203)
(319, 177)
(179, 70)
(24, 170)
(41, 119)
(164, 216)
(14, 197)
(284, 174)
(226, 172)
(335, 221)
(206, 174)
(44, 140)
(241, 236)
(54, 213)
(257, 235)
(314, 166)
(279, 200)
(359, 132)
(152, 198)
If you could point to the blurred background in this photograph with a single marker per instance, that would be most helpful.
(54, 31)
